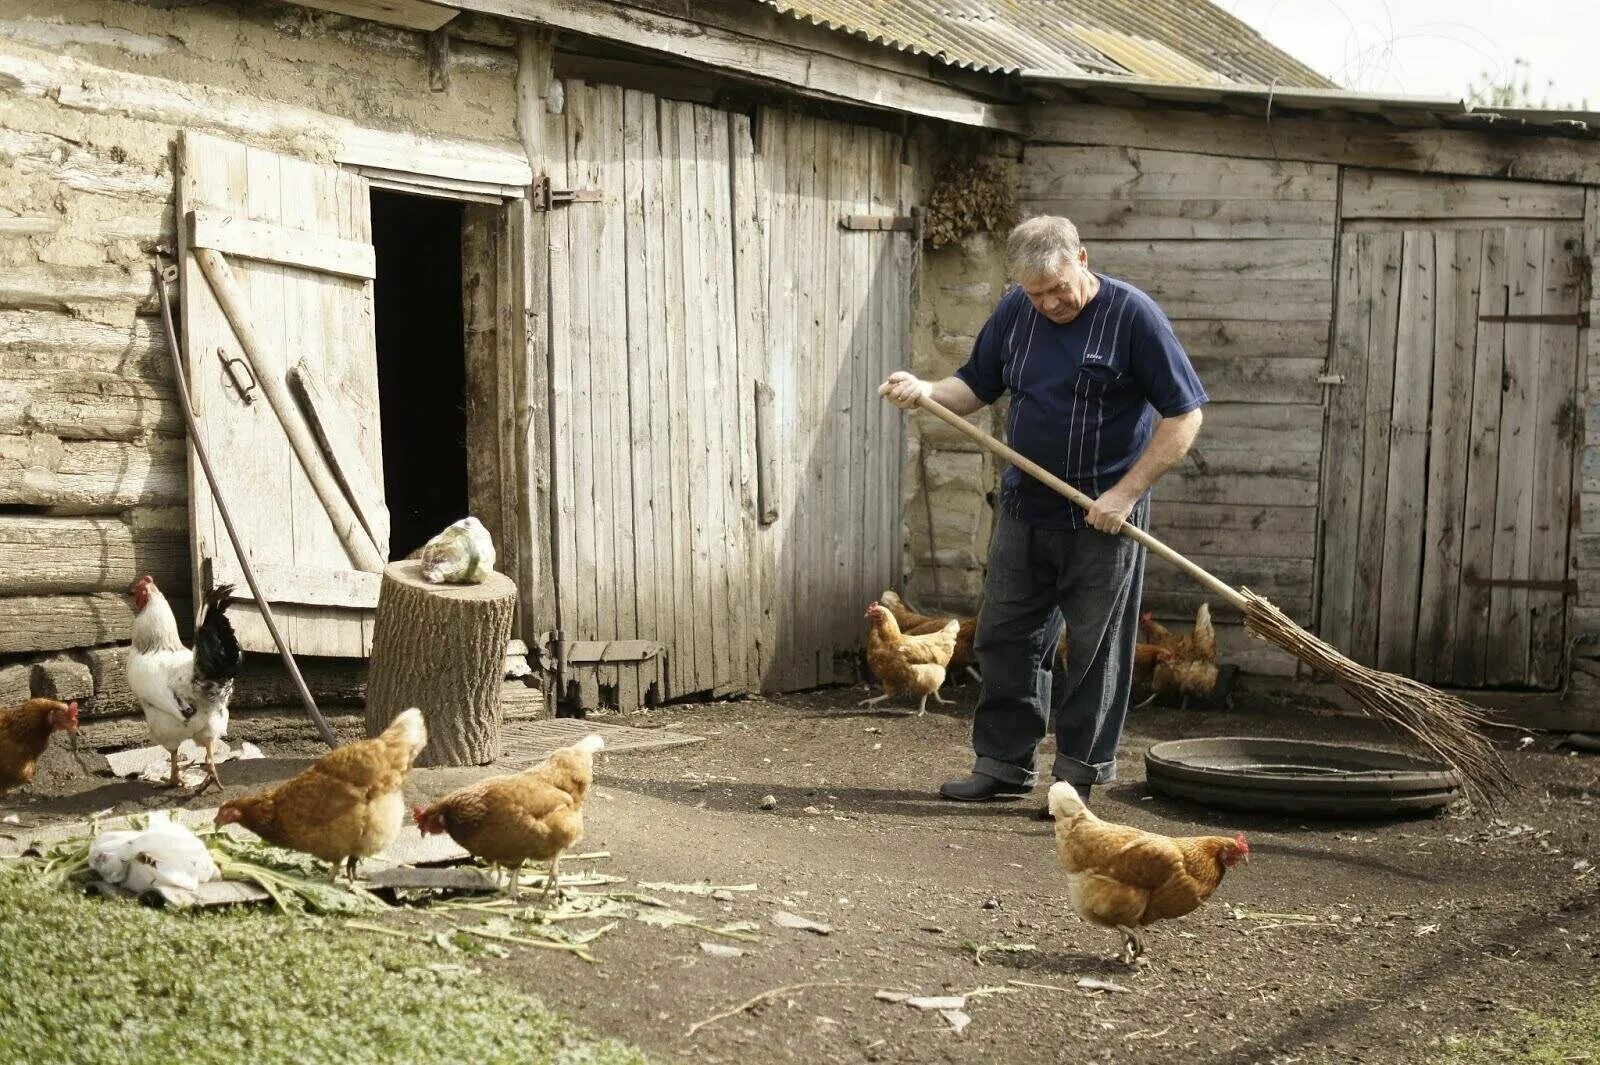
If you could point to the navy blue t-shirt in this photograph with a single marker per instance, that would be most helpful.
(1084, 396)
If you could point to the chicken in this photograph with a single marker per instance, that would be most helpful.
(1185, 664)
(534, 815)
(346, 806)
(914, 624)
(965, 657)
(908, 665)
(184, 693)
(1125, 878)
(25, 732)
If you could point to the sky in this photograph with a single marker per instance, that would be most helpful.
(1437, 47)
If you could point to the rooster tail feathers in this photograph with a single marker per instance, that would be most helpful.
(217, 656)
(1065, 800)
(407, 728)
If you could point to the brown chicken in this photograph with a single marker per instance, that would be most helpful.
(1185, 663)
(346, 806)
(914, 624)
(1125, 878)
(907, 665)
(534, 815)
(25, 732)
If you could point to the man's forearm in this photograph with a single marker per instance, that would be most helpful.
(1170, 443)
(957, 395)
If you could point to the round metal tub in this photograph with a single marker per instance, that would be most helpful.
(1299, 776)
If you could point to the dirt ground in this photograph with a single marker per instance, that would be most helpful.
(1341, 941)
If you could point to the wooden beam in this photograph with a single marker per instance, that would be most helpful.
(53, 556)
(439, 60)
(1429, 151)
(356, 542)
(809, 72)
(56, 622)
(283, 245)
(38, 469)
(339, 444)
(282, 583)
(412, 14)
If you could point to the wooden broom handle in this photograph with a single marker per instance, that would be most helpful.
(1039, 473)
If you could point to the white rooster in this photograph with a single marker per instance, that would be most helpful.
(184, 693)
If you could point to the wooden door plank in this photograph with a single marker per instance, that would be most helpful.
(711, 173)
(616, 578)
(1379, 404)
(1342, 455)
(750, 351)
(1408, 452)
(557, 253)
(1455, 333)
(1483, 465)
(638, 111)
(1513, 506)
(874, 576)
(1555, 421)
(657, 353)
(592, 505)
(775, 133)
(686, 627)
(803, 148)
(690, 358)
(338, 440)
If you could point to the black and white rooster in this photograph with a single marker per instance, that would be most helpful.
(184, 693)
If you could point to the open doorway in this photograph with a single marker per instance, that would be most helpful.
(422, 366)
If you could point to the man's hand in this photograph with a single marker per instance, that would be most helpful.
(1111, 510)
(904, 389)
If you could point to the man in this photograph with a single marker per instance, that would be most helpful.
(1104, 396)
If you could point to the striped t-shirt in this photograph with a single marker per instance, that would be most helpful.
(1084, 395)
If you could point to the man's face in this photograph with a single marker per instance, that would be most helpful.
(1061, 296)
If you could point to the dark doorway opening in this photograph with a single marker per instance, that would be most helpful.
(422, 365)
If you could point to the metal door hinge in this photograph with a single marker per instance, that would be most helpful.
(546, 198)
(879, 223)
(1581, 319)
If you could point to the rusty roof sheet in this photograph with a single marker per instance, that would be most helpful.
(1177, 41)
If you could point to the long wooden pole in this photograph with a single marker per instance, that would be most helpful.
(1038, 472)
(164, 275)
(362, 551)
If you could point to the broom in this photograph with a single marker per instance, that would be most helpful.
(1439, 723)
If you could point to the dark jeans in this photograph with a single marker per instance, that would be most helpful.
(1037, 578)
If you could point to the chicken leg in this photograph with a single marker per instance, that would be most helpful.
(211, 770)
(552, 881)
(874, 701)
(1133, 949)
(350, 865)
(174, 781)
(514, 881)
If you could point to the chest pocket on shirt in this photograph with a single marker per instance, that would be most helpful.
(1093, 381)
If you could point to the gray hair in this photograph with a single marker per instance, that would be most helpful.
(1041, 245)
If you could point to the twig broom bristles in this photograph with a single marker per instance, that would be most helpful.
(1441, 724)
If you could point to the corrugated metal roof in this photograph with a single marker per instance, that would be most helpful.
(1179, 41)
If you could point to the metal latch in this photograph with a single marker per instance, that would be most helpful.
(1581, 319)
(879, 223)
(546, 198)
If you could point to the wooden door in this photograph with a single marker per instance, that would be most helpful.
(297, 239)
(1448, 475)
(652, 448)
(839, 302)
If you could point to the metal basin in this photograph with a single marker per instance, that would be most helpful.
(1299, 776)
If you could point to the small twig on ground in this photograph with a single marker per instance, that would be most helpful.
(542, 944)
(768, 995)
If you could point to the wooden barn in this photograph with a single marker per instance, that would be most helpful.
(620, 278)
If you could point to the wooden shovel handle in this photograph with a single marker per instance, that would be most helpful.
(1039, 473)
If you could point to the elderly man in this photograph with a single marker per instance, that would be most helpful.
(1104, 396)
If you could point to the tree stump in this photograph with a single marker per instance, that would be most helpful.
(441, 648)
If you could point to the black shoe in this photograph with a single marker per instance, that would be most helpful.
(979, 787)
(1044, 814)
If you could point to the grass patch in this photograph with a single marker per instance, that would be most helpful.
(1539, 1040)
(89, 980)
